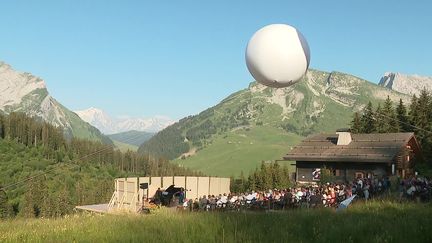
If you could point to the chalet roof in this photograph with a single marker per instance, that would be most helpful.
(377, 148)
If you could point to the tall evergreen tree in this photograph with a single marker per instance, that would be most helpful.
(368, 120)
(422, 115)
(402, 117)
(285, 176)
(389, 116)
(423, 122)
(5, 209)
(276, 175)
(27, 209)
(380, 122)
(356, 125)
(413, 112)
(266, 177)
(252, 182)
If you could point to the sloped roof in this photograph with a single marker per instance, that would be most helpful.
(376, 148)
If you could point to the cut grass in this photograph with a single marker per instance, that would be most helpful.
(370, 222)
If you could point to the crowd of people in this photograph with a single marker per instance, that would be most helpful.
(416, 188)
(311, 196)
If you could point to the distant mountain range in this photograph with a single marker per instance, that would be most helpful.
(252, 125)
(108, 125)
(406, 84)
(24, 92)
(260, 123)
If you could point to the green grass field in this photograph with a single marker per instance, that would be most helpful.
(242, 150)
(124, 147)
(370, 222)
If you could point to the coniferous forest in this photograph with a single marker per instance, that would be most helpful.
(268, 176)
(391, 118)
(43, 174)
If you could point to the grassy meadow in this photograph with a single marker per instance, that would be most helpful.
(363, 222)
(241, 150)
(124, 147)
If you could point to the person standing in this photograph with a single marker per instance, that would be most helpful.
(158, 197)
(181, 196)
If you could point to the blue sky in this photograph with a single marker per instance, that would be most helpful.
(177, 58)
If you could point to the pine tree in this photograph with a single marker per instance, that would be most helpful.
(422, 116)
(356, 125)
(368, 119)
(5, 209)
(389, 116)
(286, 177)
(63, 202)
(423, 122)
(276, 176)
(402, 117)
(266, 177)
(252, 184)
(413, 112)
(48, 207)
(27, 209)
(380, 122)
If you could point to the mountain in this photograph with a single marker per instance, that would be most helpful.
(406, 84)
(260, 123)
(97, 118)
(135, 138)
(24, 92)
(108, 125)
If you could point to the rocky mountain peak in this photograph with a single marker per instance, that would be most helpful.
(24, 92)
(108, 125)
(14, 85)
(404, 83)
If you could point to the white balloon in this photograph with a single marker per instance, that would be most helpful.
(277, 55)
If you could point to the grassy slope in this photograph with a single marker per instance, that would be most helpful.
(124, 147)
(133, 137)
(323, 102)
(241, 150)
(373, 222)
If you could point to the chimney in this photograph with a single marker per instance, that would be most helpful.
(344, 137)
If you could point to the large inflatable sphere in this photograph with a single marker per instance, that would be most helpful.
(277, 55)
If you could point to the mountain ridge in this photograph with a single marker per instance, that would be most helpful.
(410, 84)
(24, 92)
(108, 125)
(321, 102)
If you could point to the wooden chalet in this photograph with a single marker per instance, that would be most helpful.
(349, 156)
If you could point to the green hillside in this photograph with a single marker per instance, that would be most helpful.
(135, 138)
(322, 102)
(241, 150)
(124, 147)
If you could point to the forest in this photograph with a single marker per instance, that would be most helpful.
(44, 174)
(390, 118)
(268, 176)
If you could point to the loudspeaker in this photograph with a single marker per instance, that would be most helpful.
(144, 185)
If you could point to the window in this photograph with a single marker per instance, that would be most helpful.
(359, 175)
(336, 172)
